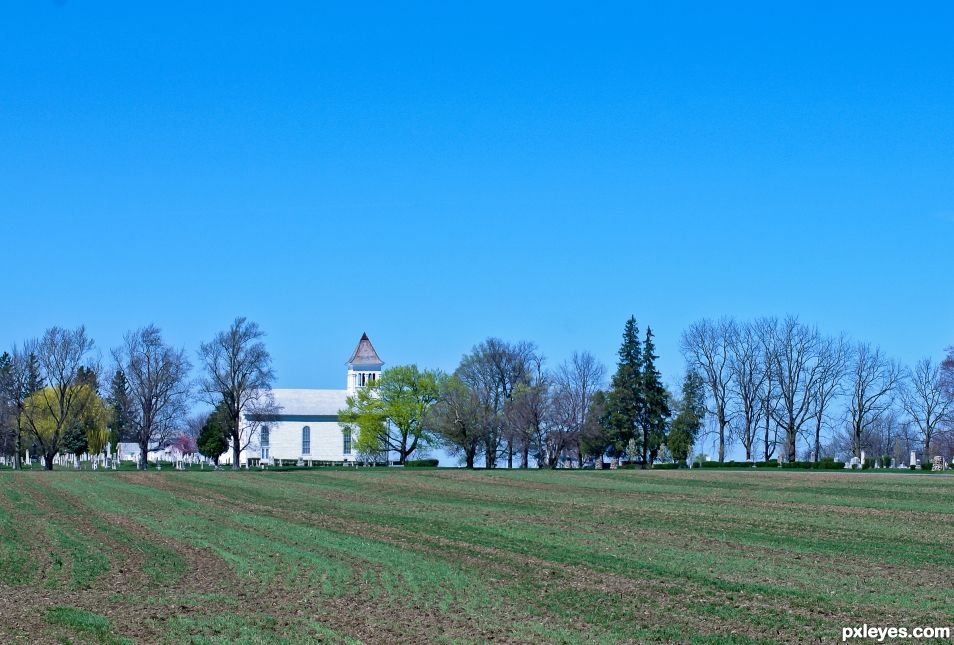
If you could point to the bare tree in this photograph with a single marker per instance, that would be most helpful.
(20, 379)
(874, 378)
(797, 370)
(927, 400)
(159, 388)
(62, 355)
(492, 370)
(706, 346)
(529, 415)
(832, 362)
(748, 372)
(577, 382)
(459, 419)
(239, 375)
(766, 329)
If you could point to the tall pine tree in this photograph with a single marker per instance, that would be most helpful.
(655, 403)
(625, 403)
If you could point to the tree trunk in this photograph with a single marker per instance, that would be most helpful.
(48, 461)
(143, 456)
(790, 444)
(18, 449)
(525, 457)
(510, 454)
(469, 455)
(236, 449)
(817, 441)
(645, 450)
(722, 425)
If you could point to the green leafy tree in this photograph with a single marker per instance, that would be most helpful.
(690, 413)
(392, 414)
(213, 438)
(625, 402)
(656, 411)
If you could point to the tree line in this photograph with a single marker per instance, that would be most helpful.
(503, 406)
(769, 387)
(52, 400)
(780, 387)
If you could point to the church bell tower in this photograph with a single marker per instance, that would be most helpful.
(364, 366)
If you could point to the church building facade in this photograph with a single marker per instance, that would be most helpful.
(305, 428)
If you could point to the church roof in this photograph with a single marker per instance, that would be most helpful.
(364, 353)
(310, 402)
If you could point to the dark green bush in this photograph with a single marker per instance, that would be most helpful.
(660, 466)
(927, 465)
(421, 463)
(771, 463)
(798, 464)
(829, 463)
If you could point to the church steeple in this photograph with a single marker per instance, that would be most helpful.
(364, 366)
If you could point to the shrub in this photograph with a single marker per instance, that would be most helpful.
(631, 466)
(798, 464)
(659, 466)
(421, 463)
(766, 464)
(927, 465)
(829, 463)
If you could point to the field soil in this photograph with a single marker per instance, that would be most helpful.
(394, 556)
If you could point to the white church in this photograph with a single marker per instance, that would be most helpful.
(306, 426)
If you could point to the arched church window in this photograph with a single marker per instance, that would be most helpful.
(306, 440)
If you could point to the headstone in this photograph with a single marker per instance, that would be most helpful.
(300, 462)
(938, 464)
(914, 459)
(614, 464)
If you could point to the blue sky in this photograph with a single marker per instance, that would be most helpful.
(435, 175)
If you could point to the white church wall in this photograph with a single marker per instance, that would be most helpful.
(327, 440)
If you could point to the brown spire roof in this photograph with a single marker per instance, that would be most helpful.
(364, 353)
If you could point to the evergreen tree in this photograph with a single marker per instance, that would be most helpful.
(655, 403)
(88, 376)
(8, 408)
(74, 440)
(34, 379)
(690, 413)
(213, 438)
(119, 404)
(625, 402)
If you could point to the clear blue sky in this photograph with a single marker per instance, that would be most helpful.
(434, 176)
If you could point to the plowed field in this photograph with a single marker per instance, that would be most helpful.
(387, 555)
